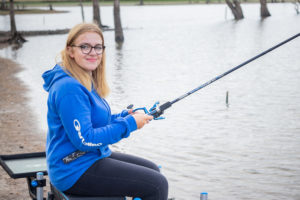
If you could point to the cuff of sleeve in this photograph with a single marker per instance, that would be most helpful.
(131, 124)
(124, 113)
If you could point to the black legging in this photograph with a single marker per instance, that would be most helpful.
(122, 175)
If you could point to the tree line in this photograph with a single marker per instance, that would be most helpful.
(16, 37)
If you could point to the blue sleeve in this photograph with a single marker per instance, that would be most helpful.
(124, 113)
(75, 113)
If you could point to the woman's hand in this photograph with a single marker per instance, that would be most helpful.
(141, 119)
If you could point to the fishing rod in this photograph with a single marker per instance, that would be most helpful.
(156, 112)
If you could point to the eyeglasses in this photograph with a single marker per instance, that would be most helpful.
(87, 48)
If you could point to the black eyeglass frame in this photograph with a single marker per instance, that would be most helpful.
(92, 47)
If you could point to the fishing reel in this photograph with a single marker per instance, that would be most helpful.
(155, 111)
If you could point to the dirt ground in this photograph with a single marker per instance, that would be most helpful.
(18, 130)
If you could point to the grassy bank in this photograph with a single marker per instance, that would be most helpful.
(21, 3)
(27, 6)
(30, 11)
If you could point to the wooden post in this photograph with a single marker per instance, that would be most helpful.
(119, 37)
(227, 98)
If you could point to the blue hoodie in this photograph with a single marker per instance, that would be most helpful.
(78, 119)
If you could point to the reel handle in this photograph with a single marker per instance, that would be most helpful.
(152, 111)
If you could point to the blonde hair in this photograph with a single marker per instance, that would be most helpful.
(98, 78)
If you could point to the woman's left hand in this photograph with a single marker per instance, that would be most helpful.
(141, 119)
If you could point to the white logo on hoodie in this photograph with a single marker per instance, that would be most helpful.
(78, 128)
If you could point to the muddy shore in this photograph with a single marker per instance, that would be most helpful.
(18, 131)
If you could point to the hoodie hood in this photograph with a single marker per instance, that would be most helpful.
(53, 75)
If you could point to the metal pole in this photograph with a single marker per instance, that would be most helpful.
(39, 189)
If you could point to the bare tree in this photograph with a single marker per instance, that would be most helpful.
(141, 2)
(96, 13)
(119, 37)
(297, 6)
(82, 11)
(2, 5)
(236, 9)
(264, 12)
(15, 37)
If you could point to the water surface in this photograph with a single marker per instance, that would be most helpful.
(247, 150)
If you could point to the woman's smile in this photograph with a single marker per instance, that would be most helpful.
(91, 59)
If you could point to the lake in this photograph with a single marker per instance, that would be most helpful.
(248, 149)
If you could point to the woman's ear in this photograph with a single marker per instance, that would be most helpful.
(70, 51)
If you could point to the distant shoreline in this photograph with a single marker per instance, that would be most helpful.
(32, 11)
(38, 3)
(28, 7)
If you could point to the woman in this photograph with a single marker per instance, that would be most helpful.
(81, 127)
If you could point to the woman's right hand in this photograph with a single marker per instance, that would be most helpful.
(141, 119)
